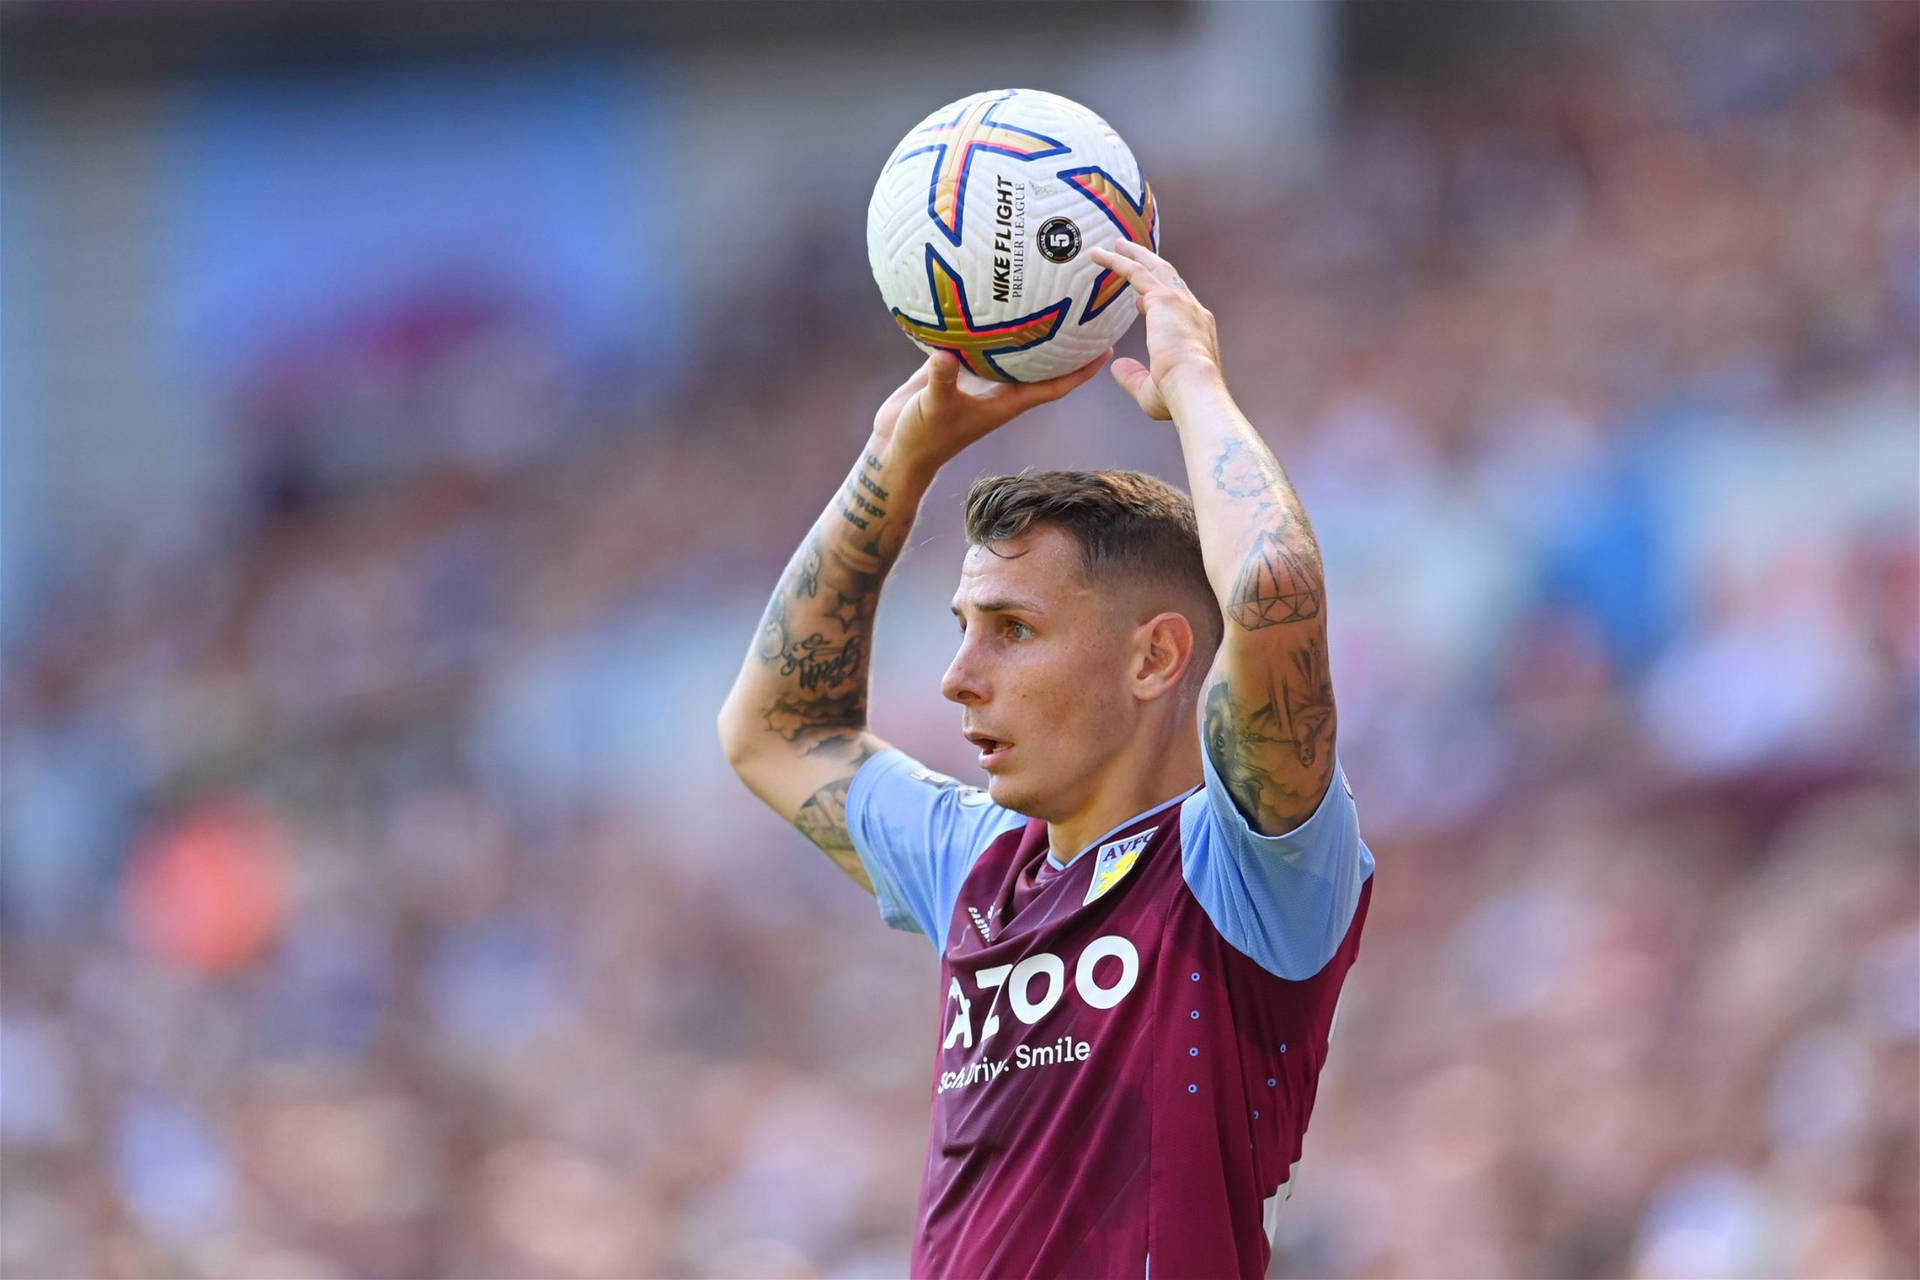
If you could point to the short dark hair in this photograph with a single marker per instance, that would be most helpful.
(1129, 526)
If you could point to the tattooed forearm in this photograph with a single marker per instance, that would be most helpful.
(822, 674)
(1239, 472)
(870, 467)
(1280, 579)
(823, 820)
(806, 575)
(816, 635)
(863, 499)
(1278, 583)
(794, 725)
(817, 663)
(854, 611)
(806, 719)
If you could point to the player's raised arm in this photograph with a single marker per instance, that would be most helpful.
(1269, 703)
(795, 724)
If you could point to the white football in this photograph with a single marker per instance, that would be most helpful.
(979, 229)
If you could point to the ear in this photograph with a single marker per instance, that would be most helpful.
(1163, 651)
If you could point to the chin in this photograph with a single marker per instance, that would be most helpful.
(1009, 794)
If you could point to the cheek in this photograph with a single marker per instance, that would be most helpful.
(1080, 691)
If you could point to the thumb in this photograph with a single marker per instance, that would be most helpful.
(1136, 381)
(943, 375)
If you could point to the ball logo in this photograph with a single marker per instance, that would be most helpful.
(957, 246)
(1059, 240)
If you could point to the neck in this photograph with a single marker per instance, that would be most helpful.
(1160, 765)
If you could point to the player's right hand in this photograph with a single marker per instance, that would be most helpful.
(943, 408)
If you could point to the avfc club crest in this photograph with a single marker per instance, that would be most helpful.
(1114, 861)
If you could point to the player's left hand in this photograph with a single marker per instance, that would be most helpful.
(1182, 346)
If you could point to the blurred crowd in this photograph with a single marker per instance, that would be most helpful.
(377, 901)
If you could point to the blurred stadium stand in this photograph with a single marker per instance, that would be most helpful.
(405, 410)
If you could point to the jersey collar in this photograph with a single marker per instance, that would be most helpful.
(1098, 840)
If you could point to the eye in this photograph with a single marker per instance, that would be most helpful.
(1018, 630)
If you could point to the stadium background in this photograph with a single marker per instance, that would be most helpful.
(407, 410)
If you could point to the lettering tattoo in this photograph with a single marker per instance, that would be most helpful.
(817, 664)
(862, 499)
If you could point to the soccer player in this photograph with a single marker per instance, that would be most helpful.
(1145, 919)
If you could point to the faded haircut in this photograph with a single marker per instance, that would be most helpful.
(1130, 527)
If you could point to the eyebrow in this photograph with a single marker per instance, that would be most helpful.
(1008, 605)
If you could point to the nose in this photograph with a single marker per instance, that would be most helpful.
(963, 682)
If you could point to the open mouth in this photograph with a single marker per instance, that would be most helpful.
(992, 750)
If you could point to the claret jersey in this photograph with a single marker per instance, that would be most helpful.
(1130, 1043)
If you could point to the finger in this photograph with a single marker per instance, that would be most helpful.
(1033, 393)
(1126, 268)
(1145, 278)
(1129, 372)
(1133, 248)
(1136, 381)
(1148, 258)
(1143, 282)
(1159, 266)
(943, 372)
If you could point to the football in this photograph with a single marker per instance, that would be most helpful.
(979, 229)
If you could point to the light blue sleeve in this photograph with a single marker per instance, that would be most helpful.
(918, 833)
(1284, 900)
